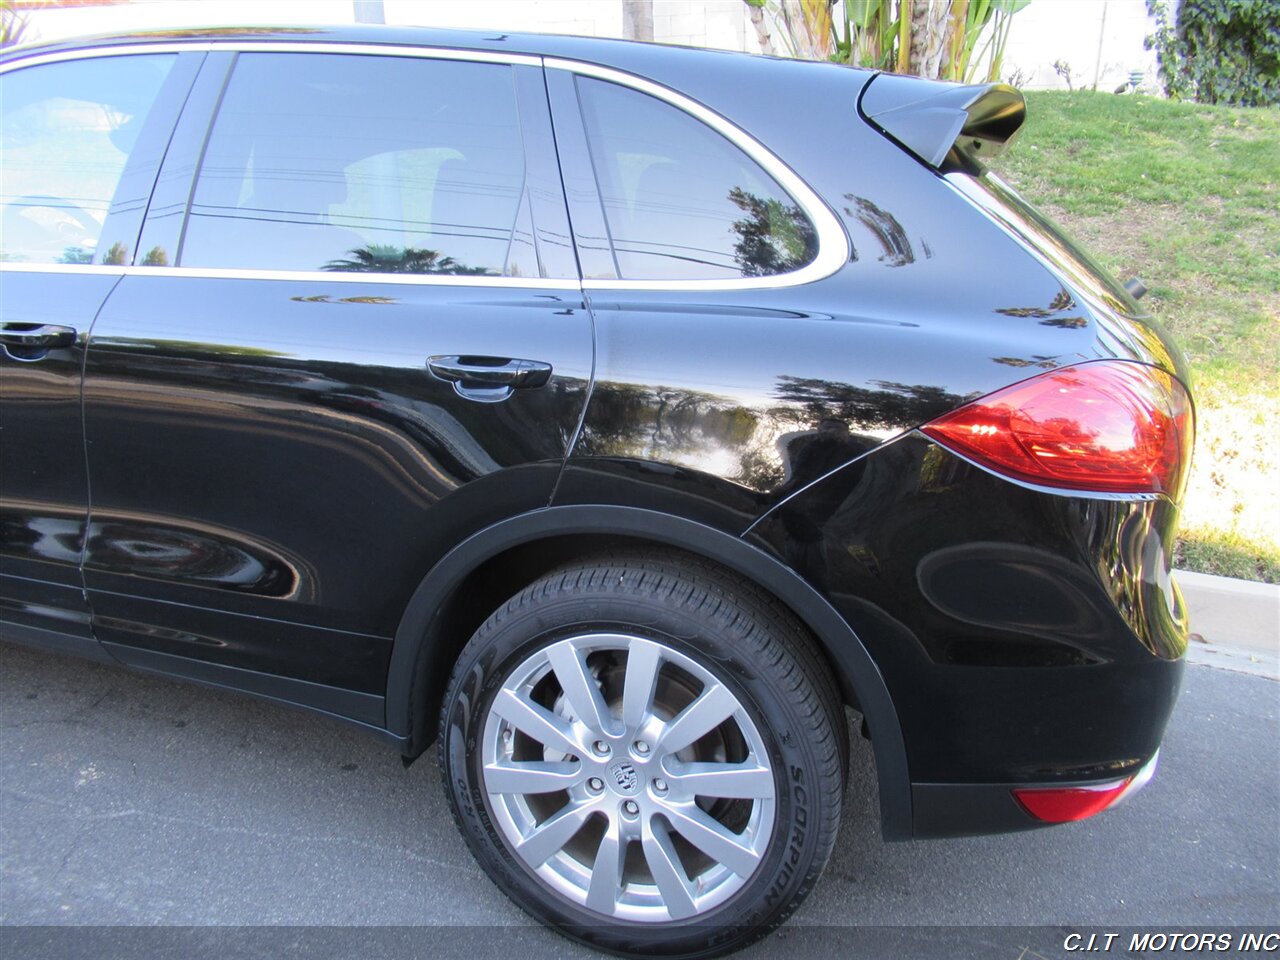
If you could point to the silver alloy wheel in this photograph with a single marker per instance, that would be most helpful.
(628, 777)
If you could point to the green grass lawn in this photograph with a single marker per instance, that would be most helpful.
(1185, 196)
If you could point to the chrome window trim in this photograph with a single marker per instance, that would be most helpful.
(309, 276)
(275, 46)
(247, 273)
(833, 243)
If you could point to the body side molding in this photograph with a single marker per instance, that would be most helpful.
(362, 710)
(40, 638)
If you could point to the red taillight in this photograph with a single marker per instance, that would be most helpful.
(1111, 426)
(1064, 804)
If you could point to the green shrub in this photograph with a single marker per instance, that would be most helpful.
(1219, 51)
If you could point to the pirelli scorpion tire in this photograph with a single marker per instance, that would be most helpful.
(646, 755)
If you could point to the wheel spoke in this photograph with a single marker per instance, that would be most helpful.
(537, 722)
(536, 776)
(580, 688)
(713, 707)
(643, 660)
(553, 833)
(606, 872)
(713, 838)
(733, 781)
(634, 761)
(668, 873)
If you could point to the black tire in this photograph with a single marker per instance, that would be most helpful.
(752, 646)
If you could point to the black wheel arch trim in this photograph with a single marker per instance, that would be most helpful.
(838, 640)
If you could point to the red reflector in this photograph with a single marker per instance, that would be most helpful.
(1110, 426)
(1064, 804)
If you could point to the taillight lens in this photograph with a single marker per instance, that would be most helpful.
(1111, 426)
(1065, 804)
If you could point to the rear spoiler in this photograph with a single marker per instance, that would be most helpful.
(947, 125)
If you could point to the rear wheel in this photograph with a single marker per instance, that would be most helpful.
(646, 755)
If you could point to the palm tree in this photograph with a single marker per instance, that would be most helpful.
(386, 258)
(12, 24)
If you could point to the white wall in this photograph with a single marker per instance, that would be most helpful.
(715, 23)
(46, 24)
(594, 18)
(703, 23)
(1070, 30)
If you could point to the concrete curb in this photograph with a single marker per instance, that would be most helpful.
(1235, 623)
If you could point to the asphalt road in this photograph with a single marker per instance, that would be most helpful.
(146, 803)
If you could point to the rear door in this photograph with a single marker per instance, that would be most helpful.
(368, 310)
(82, 142)
(719, 388)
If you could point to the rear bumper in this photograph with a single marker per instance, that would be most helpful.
(967, 809)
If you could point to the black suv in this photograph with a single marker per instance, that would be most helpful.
(616, 414)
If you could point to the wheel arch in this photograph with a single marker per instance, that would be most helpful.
(423, 653)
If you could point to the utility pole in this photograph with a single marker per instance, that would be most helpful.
(369, 11)
(1102, 34)
(637, 19)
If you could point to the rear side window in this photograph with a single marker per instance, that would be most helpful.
(681, 201)
(67, 132)
(347, 163)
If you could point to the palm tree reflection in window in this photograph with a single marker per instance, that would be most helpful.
(773, 238)
(388, 258)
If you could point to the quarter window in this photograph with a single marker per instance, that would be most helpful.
(680, 200)
(65, 138)
(348, 163)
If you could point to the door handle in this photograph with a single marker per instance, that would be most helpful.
(32, 341)
(489, 378)
(40, 336)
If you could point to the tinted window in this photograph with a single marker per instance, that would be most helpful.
(681, 201)
(367, 164)
(67, 132)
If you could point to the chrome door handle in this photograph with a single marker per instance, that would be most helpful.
(491, 371)
(489, 378)
(38, 336)
(29, 342)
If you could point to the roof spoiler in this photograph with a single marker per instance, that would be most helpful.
(947, 125)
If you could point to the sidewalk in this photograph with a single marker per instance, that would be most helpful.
(1235, 624)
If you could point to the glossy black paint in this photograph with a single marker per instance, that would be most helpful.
(1046, 647)
(274, 455)
(44, 490)
(286, 500)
